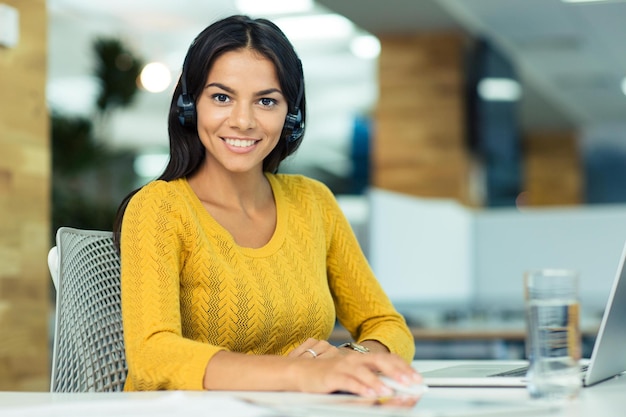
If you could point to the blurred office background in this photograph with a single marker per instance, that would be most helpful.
(467, 140)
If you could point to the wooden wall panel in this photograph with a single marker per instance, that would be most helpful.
(419, 137)
(24, 205)
(553, 172)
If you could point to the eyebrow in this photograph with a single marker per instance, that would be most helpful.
(231, 91)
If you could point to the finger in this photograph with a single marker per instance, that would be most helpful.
(325, 349)
(390, 366)
(302, 349)
(314, 348)
(329, 351)
(362, 376)
(396, 368)
(346, 380)
(370, 384)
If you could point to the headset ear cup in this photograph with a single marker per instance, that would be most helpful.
(186, 110)
(294, 126)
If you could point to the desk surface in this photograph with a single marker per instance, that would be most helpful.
(607, 399)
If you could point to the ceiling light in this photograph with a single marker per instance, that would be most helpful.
(365, 46)
(499, 89)
(155, 77)
(317, 26)
(624, 85)
(267, 7)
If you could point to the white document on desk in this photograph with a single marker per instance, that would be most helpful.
(174, 403)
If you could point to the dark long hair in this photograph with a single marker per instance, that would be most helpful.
(229, 34)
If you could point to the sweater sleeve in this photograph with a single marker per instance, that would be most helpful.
(362, 306)
(152, 250)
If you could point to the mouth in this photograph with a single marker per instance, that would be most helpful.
(240, 143)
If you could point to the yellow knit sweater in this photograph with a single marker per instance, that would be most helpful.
(188, 290)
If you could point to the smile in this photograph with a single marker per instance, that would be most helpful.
(240, 143)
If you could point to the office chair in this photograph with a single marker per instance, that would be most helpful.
(88, 353)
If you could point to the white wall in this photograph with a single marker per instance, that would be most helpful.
(508, 242)
(431, 251)
(420, 249)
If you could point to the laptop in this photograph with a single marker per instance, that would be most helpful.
(607, 358)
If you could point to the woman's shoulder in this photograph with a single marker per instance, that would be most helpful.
(301, 184)
(160, 190)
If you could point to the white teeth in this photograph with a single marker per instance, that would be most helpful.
(239, 142)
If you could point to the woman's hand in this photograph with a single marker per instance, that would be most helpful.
(333, 370)
(329, 370)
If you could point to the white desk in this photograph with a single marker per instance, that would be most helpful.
(607, 399)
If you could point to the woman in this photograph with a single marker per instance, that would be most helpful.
(233, 275)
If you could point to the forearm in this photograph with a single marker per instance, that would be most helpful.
(237, 371)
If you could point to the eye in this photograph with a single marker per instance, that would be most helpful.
(222, 98)
(267, 102)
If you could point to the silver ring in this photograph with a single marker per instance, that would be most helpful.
(312, 352)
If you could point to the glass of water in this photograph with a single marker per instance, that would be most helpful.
(553, 341)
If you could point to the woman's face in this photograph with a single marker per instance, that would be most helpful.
(241, 111)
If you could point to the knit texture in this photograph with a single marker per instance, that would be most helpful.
(188, 290)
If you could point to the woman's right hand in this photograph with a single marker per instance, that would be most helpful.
(357, 374)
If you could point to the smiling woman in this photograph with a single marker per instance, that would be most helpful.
(233, 275)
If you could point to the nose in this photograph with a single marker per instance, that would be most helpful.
(242, 116)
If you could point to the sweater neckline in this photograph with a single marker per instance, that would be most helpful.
(277, 237)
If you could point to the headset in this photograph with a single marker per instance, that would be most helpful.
(293, 128)
(186, 105)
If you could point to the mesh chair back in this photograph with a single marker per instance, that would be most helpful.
(88, 350)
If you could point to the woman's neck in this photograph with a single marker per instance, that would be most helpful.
(235, 191)
(242, 204)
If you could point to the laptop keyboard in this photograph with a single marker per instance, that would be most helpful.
(522, 371)
(513, 372)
